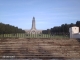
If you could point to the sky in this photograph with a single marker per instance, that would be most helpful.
(47, 13)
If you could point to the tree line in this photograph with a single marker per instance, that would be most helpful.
(58, 30)
(61, 30)
(8, 29)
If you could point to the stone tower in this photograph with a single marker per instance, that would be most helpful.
(33, 24)
(33, 29)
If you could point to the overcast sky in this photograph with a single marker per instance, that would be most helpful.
(47, 13)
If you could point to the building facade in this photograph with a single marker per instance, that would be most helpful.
(33, 29)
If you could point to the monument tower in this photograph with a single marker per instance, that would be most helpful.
(33, 29)
(33, 24)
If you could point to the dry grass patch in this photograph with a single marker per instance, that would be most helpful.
(51, 47)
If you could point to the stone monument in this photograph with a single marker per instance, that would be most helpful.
(33, 29)
(33, 24)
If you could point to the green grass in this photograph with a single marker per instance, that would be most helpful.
(23, 35)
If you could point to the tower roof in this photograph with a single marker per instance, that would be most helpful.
(33, 17)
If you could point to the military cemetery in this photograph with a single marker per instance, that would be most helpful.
(39, 29)
(32, 33)
(34, 44)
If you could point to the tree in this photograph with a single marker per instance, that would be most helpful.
(7, 29)
(78, 25)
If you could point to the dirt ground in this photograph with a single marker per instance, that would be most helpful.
(39, 48)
